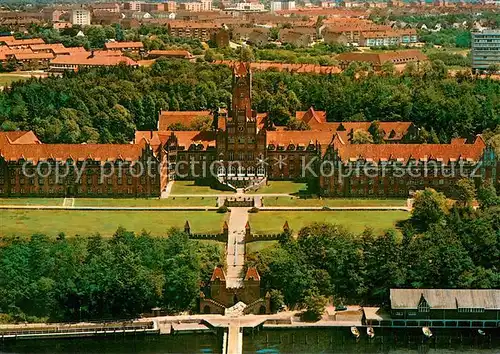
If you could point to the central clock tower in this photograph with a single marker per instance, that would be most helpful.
(239, 139)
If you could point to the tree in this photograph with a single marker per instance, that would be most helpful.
(202, 123)
(376, 132)
(209, 55)
(361, 137)
(465, 191)
(246, 54)
(277, 300)
(487, 195)
(388, 68)
(429, 207)
(297, 124)
(315, 305)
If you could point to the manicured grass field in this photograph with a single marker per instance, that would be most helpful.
(354, 221)
(32, 201)
(257, 246)
(189, 187)
(52, 222)
(143, 202)
(7, 79)
(340, 202)
(283, 187)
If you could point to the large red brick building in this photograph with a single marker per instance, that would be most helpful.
(242, 148)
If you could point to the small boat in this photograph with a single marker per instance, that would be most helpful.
(481, 332)
(370, 331)
(355, 332)
(427, 332)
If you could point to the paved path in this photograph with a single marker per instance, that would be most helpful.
(234, 340)
(69, 202)
(236, 247)
(110, 208)
(201, 208)
(168, 190)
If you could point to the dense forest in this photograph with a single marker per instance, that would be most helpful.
(107, 105)
(82, 278)
(440, 247)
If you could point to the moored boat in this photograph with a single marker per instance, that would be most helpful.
(355, 332)
(427, 332)
(370, 332)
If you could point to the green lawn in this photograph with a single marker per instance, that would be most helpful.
(144, 202)
(257, 246)
(283, 187)
(337, 202)
(7, 79)
(51, 222)
(189, 187)
(31, 201)
(354, 221)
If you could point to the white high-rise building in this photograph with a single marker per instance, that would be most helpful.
(275, 6)
(288, 5)
(80, 17)
(206, 5)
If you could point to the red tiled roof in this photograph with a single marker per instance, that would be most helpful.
(190, 25)
(168, 118)
(63, 152)
(218, 274)
(123, 45)
(405, 152)
(54, 46)
(287, 137)
(17, 137)
(171, 53)
(311, 117)
(96, 60)
(184, 138)
(7, 38)
(253, 274)
(299, 68)
(28, 41)
(33, 56)
(380, 58)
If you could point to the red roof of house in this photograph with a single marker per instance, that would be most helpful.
(28, 41)
(33, 56)
(62, 152)
(123, 45)
(252, 274)
(405, 152)
(296, 137)
(96, 60)
(184, 138)
(168, 118)
(380, 58)
(54, 46)
(311, 117)
(172, 53)
(218, 274)
(18, 137)
(299, 68)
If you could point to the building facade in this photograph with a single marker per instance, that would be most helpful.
(81, 17)
(446, 307)
(241, 148)
(486, 50)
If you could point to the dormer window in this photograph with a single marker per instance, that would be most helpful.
(423, 306)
